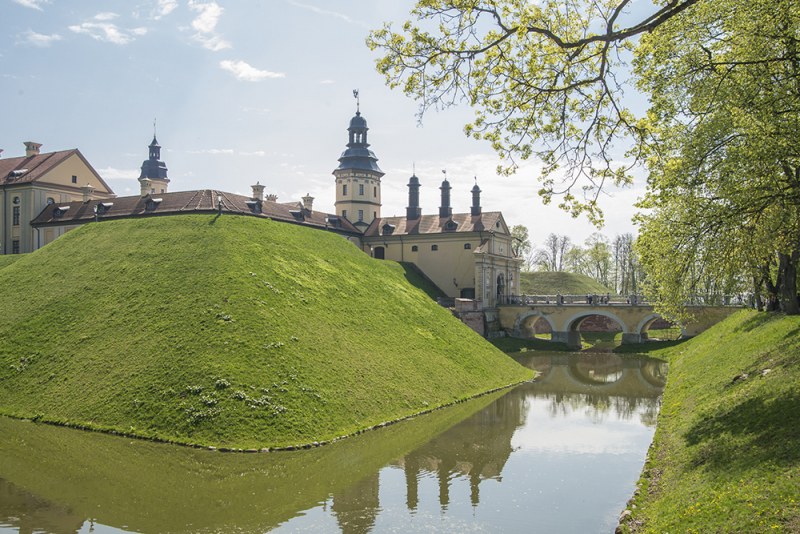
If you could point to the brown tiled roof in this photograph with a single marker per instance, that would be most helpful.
(433, 224)
(204, 200)
(37, 166)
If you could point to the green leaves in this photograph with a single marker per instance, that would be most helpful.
(541, 77)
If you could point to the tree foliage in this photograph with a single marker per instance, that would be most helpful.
(542, 77)
(521, 244)
(724, 188)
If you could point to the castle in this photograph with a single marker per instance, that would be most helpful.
(468, 255)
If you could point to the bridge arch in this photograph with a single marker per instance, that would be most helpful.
(524, 317)
(574, 323)
(645, 323)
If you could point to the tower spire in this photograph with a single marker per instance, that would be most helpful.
(358, 101)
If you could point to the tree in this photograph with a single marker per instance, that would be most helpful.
(521, 245)
(598, 258)
(542, 77)
(724, 187)
(551, 257)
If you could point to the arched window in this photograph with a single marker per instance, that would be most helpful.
(414, 248)
(467, 246)
(434, 247)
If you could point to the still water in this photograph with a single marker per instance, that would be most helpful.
(558, 455)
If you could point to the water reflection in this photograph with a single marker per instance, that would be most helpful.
(561, 453)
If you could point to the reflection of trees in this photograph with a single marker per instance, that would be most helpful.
(599, 407)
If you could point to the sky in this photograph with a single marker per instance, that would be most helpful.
(245, 92)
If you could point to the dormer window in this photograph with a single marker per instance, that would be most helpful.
(388, 229)
(59, 211)
(254, 205)
(298, 215)
(336, 222)
(103, 207)
(450, 225)
(152, 204)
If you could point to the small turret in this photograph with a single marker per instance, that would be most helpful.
(445, 210)
(413, 211)
(476, 200)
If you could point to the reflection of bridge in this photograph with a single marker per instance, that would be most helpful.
(565, 319)
(598, 373)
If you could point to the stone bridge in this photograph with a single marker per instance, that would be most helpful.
(565, 319)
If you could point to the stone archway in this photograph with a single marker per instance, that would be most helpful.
(644, 326)
(522, 319)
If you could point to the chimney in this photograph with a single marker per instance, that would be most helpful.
(1, 152)
(476, 200)
(308, 201)
(88, 193)
(147, 186)
(413, 211)
(272, 198)
(445, 210)
(258, 191)
(32, 149)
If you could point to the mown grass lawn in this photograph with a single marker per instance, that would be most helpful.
(726, 454)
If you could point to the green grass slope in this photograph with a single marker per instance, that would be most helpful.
(553, 283)
(9, 259)
(229, 331)
(726, 453)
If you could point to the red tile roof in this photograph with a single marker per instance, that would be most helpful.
(433, 224)
(204, 200)
(37, 166)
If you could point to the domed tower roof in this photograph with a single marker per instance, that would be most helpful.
(153, 167)
(358, 155)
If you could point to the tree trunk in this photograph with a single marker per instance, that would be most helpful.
(788, 285)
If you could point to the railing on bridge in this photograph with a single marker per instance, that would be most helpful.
(608, 299)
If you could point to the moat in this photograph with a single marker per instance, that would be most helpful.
(557, 455)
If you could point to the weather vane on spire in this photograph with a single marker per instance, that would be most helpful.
(154, 128)
(358, 102)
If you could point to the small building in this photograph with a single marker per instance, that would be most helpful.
(31, 183)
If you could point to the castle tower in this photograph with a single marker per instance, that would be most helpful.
(154, 170)
(358, 178)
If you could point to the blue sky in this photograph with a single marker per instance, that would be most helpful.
(242, 92)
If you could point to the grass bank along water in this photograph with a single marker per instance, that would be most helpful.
(726, 454)
(228, 331)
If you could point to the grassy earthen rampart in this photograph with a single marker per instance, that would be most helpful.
(726, 453)
(230, 331)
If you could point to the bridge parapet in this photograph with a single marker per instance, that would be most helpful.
(634, 319)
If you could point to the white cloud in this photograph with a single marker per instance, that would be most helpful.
(245, 72)
(37, 39)
(111, 173)
(105, 31)
(165, 7)
(205, 24)
(256, 153)
(326, 81)
(256, 110)
(331, 13)
(211, 151)
(35, 4)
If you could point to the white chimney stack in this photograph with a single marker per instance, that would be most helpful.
(147, 186)
(258, 191)
(308, 200)
(32, 149)
(88, 193)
